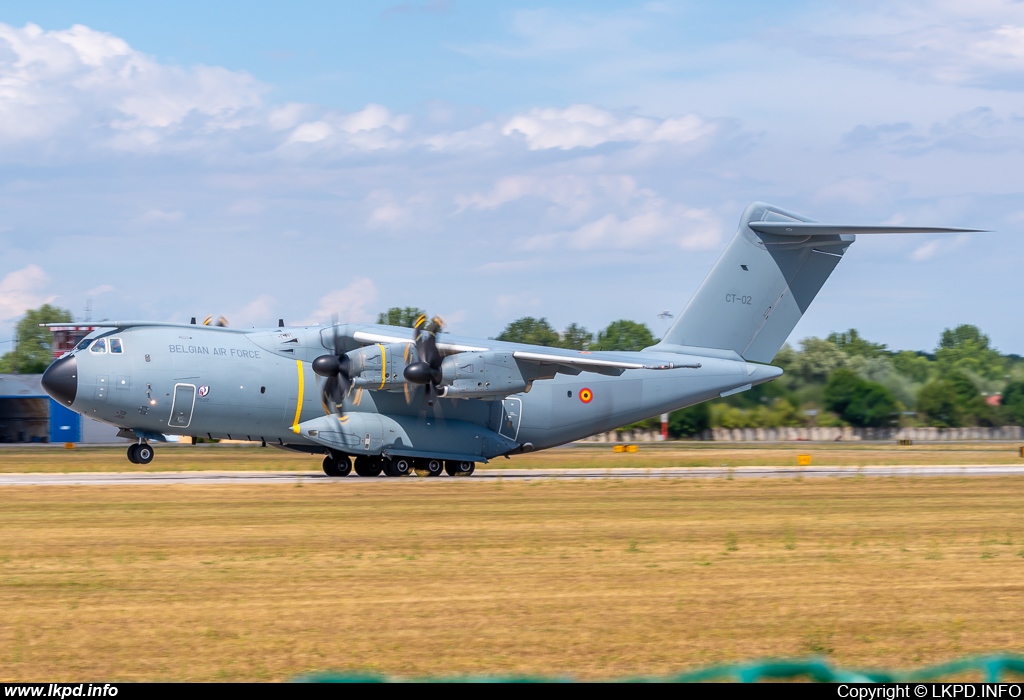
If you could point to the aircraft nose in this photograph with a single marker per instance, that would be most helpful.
(60, 380)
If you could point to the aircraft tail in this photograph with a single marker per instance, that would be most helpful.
(764, 282)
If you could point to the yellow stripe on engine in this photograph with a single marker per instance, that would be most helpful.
(383, 364)
(298, 403)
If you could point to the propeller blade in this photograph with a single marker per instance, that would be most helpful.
(336, 370)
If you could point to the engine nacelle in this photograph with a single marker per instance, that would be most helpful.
(481, 375)
(379, 366)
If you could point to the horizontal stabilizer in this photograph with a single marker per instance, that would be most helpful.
(802, 228)
(764, 282)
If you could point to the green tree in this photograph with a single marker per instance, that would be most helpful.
(397, 316)
(912, 365)
(967, 348)
(818, 360)
(841, 390)
(874, 406)
(1013, 402)
(690, 421)
(937, 404)
(954, 401)
(576, 337)
(531, 331)
(852, 343)
(860, 402)
(34, 351)
(624, 335)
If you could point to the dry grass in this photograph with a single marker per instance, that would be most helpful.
(589, 578)
(52, 458)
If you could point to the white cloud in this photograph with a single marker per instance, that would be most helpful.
(352, 304)
(22, 290)
(575, 195)
(61, 83)
(102, 289)
(371, 128)
(586, 126)
(925, 251)
(311, 132)
(946, 41)
(978, 130)
(672, 226)
(258, 313)
(286, 116)
(161, 216)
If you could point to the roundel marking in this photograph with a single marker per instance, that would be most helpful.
(586, 395)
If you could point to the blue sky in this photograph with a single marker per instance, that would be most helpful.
(580, 161)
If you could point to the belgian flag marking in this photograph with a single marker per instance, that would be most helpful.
(586, 395)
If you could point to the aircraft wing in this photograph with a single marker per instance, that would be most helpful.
(446, 348)
(562, 360)
(574, 362)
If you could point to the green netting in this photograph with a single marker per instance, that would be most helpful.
(991, 668)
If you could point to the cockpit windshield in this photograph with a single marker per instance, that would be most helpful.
(83, 344)
(99, 346)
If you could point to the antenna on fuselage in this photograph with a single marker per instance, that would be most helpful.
(193, 321)
(280, 323)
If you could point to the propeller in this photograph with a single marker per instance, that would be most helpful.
(426, 371)
(334, 368)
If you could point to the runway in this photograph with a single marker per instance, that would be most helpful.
(241, 478)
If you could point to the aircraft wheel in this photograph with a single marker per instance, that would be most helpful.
(143, 453)
(330, 466)
(459, 468)
(433, 467)
(131, 454)
(398, 466)
(368, 466)
(343, 465)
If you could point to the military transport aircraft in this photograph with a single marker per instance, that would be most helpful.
(432, 402)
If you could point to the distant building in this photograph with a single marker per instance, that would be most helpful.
(994, 400)
(65, 338)
(28, 414)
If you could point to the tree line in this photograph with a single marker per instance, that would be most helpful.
(843, 379)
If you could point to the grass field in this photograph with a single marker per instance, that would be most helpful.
(588, 578)
(52, 458)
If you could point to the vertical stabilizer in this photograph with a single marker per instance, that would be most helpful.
(761, 286)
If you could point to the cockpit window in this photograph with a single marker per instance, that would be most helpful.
(115, 346)
(84, 344)
(99, 346)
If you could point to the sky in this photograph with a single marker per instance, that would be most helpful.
(580, 161)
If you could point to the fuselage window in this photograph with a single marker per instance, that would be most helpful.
(115, 346)
(99, 346)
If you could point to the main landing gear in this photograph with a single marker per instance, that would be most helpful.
(140, 453)
(338, 464)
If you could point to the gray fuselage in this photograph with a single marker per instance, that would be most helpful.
(258, 385)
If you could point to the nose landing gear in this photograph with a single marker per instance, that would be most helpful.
(141, 453)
